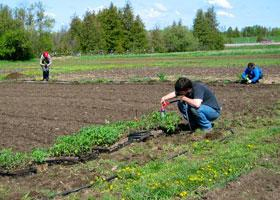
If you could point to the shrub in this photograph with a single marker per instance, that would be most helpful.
(15, 45)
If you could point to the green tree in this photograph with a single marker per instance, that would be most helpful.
(62, 42)
(156, 41)
(15, 45)
(139, 36)
(75, 33)
(91, 34)
(178, 38)
(43, 25)
(275, 32)
(14, 40)
(205, 28)
(110, 19)
(127, 19)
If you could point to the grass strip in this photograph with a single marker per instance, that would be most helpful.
(210, 164)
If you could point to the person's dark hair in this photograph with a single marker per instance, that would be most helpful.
(182, 84)
(251, 65)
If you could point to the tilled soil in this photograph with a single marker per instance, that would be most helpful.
(33, 115)
(260, 184)
(171, 73)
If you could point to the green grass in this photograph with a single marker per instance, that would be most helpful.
(207, 165)
(233, 57)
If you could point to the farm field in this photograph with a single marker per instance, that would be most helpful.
(34, 118)
(34, 113)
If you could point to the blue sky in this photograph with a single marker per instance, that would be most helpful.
(161, 13)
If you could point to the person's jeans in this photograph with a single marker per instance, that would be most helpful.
(46, 74)
(198, 117)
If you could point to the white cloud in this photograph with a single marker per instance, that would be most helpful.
(160, 7)
(224, 13)
(157, 11)
(221, 3)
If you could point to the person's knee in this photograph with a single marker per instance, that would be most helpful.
(195, 112)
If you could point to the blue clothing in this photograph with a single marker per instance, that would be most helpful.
(208, 111)
(254, 75)
(201, 91)
(198, 117)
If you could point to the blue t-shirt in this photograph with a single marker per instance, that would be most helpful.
(201, 91)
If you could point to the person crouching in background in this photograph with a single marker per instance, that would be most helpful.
(252, 74)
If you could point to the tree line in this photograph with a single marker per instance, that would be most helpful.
(114, 30)
(26, 32)
(260, 32)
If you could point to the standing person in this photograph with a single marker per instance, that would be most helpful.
(45, 63)
(198, 104)
(252, 74)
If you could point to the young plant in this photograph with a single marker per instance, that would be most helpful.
(39, 155)
(9, 159)
(162, 77)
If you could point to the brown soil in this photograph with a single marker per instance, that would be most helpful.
(34, 114)
(172, 73)
(15, 76)
(259, 184)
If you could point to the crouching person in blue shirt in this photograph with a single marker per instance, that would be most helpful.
(197, 103)
(252, 74)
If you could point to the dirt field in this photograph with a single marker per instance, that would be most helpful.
(209, 74)
(34, 114)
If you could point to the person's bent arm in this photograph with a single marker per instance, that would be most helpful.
(244, 74)
(192, 102)
(41, 62)
(168, 96)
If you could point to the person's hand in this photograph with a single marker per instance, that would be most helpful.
(162, 100)
(249, 81)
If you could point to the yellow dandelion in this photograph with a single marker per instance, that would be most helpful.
(183, 194)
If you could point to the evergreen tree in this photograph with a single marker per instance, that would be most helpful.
(128, 22)
(206, 30)
(139, 36)
(92, 34)
(75, 32)
(236, 33)
(110, 19)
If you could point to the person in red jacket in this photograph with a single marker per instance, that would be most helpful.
(45, 63)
